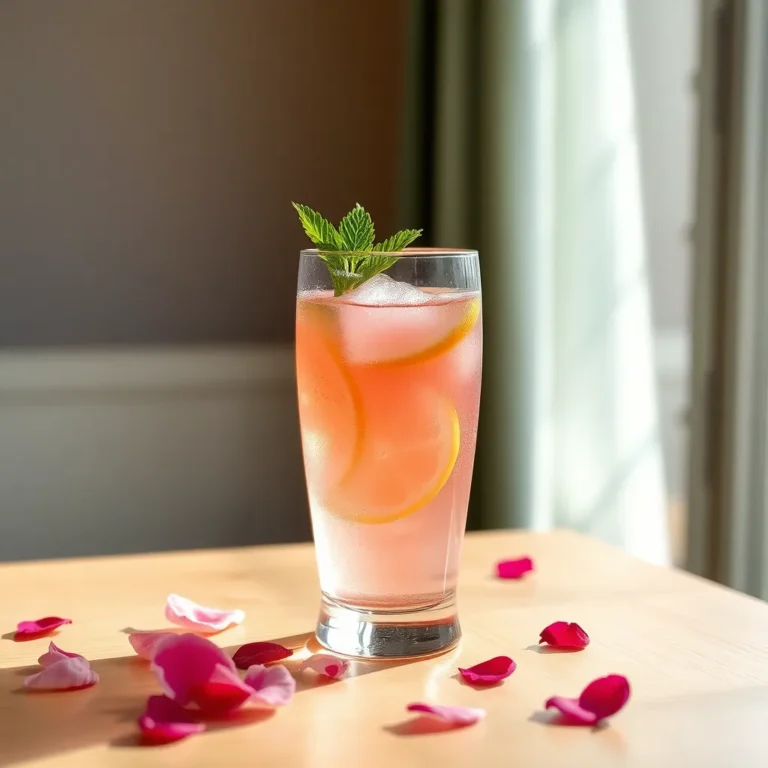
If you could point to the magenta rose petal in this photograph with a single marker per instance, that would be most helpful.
(186, 613)
(271, 686)
(66, 674)
(54, 654)
(514, 569)
(144, 643)
(186, 663)
(325, 664)
(605, 696)
(457, 716)
(223, 692)
(489, 672)
(259, 653)
(193, 670)
(600, 699)
(561, 634)
(26, 630)
(164, 721)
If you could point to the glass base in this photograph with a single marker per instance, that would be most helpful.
(388, 634)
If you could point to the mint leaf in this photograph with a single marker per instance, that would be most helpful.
(349, 252)
(356, 230)
(399, 241)
(319, 230)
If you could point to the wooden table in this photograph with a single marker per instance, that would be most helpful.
(696, 655)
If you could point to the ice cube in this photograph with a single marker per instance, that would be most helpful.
(382, 289)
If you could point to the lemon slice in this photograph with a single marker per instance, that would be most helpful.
(406, 335)
(410, 448)
(330, 406)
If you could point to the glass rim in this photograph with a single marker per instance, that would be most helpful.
(422, 253)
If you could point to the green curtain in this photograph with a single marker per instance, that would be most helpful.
(467, 163)
(520, 142)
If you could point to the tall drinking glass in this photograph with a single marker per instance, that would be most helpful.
(389, 388)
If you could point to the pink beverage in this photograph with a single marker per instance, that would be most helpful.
(389, 387)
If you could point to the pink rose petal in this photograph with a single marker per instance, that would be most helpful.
(54, 654)
(452, 715)
(26, 630)
(514, 569)
(600, 699)
(271, 686)
(325, 664)
(259, 653)
(188, 614)
(561, 634)
(144, 643)
(63, 675)
(488, 672)
(570, 708)
(192, 670)
(164, 720)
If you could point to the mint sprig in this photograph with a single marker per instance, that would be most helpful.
(349, 252)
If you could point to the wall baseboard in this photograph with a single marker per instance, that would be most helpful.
(105, 451)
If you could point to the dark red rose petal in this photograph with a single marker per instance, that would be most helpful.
(514, 569)
(561, 634)
(26, 630)
(259, 653)
(489, 672)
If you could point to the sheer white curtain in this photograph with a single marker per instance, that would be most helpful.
(537, 164)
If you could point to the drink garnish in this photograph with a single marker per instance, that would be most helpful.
(348, 251)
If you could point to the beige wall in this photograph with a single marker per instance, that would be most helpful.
(150, 150)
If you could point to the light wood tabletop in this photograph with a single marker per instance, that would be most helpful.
(696, 656)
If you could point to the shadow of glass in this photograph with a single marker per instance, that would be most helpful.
(305, 645)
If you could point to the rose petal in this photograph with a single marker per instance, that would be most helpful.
(222, 692)
(54, 654)
(28, 629)
(514, 569)
(600, 699)
(571, 709)
(491, 671)
(271, 686)
(144, 643)
(605, 696)
(164, 720)
(188, 614)
(561, 634)
(446, 714)
(259, 653)
(185, 663)
(325, 664)
(193, 670)
(63, 675)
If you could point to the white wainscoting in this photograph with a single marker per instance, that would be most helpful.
(105, 451)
